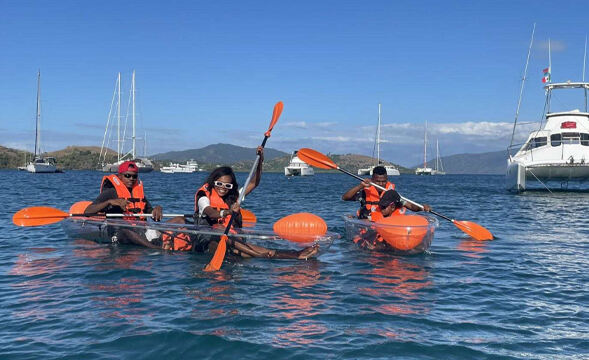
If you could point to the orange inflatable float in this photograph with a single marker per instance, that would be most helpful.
(403, 232)
(300, 227)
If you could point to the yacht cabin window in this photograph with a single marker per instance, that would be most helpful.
(585, 139)
(537, 142)
(555, 139)
(570, 138)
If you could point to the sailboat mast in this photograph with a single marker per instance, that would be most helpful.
(119, 117)
(38, 118)
(378, 138)
(437, 155)
(521, 90)
(133, 96)
(425, 146)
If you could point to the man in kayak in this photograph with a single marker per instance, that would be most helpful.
(123, 194)
(370, 197)
(216, 200)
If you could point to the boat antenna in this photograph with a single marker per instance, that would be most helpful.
(521, 90)
(584, 62)
(38, 117)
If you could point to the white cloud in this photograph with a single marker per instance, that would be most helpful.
(296, 124)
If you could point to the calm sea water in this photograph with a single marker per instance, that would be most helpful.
(524, 295)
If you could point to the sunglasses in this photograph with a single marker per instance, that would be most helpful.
(130, 176)
(224, 185)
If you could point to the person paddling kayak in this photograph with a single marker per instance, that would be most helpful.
(214, 202)
(122, 193)
(370, 198)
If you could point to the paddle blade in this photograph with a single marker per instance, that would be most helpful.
(300, 227)
(37, 216)
(217, 260)
(275, 115)
(79, 207)
(474, 230)
(248, 218)
(315, 158)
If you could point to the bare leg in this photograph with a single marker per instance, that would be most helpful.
(249, 250)
(129, 236)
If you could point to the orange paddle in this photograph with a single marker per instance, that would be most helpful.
(317, 159)
(43, 215)
(219, 256)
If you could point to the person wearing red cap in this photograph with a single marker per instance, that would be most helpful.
(123, 194)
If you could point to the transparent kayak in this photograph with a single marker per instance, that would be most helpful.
(401, 234)
(104, 230)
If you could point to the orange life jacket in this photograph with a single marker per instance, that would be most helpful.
(176, 241)
(136, 197)
(216, 200)
(370, 205)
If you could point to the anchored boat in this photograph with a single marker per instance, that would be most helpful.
(39, 163)
(297, 167)
(559, 150)
(391, 170)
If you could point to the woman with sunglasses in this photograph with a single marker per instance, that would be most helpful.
(123, 194)
(216, 200)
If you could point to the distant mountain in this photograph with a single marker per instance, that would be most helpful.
(483, 163)
(217, 154)
(81, 157)
(12, 158)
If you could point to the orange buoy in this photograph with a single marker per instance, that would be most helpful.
(79, 207)
(300, 227)
(403, 232)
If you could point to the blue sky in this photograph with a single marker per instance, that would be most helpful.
(211, 71)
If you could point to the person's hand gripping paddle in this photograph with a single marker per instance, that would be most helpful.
(217, 260)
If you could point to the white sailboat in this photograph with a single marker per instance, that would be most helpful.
(559, 150)
(424, 170)
(143, 164)
(439, 166)
(391, 170)
(40, 164)
(297, 167)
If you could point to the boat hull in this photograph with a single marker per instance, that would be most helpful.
(104, 231)
(298, 171)
(391, 171)
(41, 168)
(403, 239)
(519, 176)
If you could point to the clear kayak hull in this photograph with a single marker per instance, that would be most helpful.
(103, 230)
(402, 234)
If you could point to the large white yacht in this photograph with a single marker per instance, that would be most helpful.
(298, 167)
(391, 170)
(559, 151)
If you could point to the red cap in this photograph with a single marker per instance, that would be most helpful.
(128, 166)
